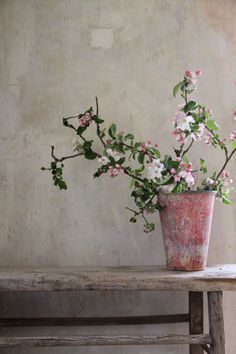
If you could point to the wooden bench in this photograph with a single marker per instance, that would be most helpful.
(214, 280)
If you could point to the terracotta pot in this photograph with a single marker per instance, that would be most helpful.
(186, 226)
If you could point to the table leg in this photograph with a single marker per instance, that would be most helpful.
(195, 318)
(216, 322)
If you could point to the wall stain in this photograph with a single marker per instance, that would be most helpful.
(219, 15)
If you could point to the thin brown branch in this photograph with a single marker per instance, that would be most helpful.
(97, 107)
(72, 117)
(226, 163)
(98, 127)
(188, 148)
(219, 142)
(133, 176)
(64, 157)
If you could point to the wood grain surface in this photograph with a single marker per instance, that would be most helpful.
(214, 278)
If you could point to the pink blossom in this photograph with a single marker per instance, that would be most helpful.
(190, 180)
(194, 82)
(143, 147)
(113, 154)
(147, 145)
(189, 167)
(178, 159)
(198, 135)
(210, 112)
(181, 164)
(103, 160)
(85, 120)
(198, 72)
(225, 174)
(173, 171)
(188, 177)
(210, 181)
(115, 171)
(207, 139)
(232, 136)
(188, 73)
(182, 121)
(179, 135)
(193, 77)
(180, 106)
(177, 178)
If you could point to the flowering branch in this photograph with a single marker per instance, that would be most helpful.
(150, 173)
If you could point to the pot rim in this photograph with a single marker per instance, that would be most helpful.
(189, 192)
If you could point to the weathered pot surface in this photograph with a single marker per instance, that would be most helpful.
(186, 225)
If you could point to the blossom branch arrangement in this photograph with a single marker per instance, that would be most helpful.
(150, 172)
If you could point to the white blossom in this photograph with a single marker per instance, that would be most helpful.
(154, 169)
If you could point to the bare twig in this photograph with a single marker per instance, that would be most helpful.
(98, 127)
(56, 159)
(188, 148)
(226, 162)
(97, 107)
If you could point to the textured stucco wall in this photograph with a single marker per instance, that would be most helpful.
(55, 56)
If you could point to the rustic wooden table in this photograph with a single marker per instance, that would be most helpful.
(214, 280)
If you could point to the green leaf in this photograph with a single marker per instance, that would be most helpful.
(138, 170)
(80, 130)
(234, 144)
(156, 152)
(149, 227)
(129, 137)
(177, 88)
(121, 161)
(167, 180)
(53, 164)
(137, 145)
(133, 219)
(87, 145)
(159, 207)
(203, 165)
(195, 116)
(62, 184)
(190, 106)
(225, 199)
(97, 119)
(113, 161)
(168, 162)
(141, 157)
(120, 148)
(132, 183)
(90, 154)
(186, 160)
(211, 124)
(112, 131)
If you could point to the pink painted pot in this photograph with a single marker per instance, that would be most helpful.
(186, 226)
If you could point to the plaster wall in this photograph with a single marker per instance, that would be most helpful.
(55, 57)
